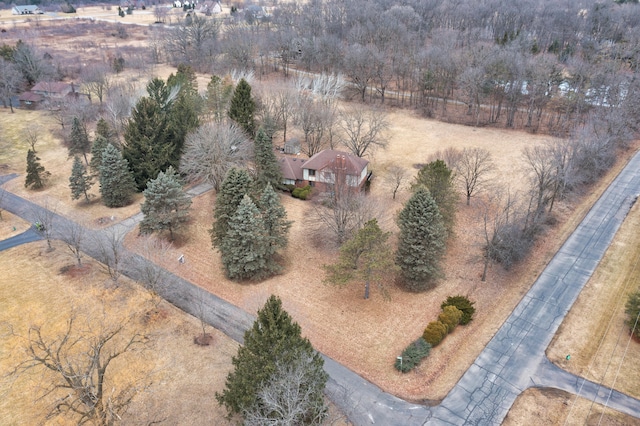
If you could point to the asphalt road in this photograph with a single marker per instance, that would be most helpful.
(513, 361)
(28, 236)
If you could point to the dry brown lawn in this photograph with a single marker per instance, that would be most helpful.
(11, 225)
(367, 335)
(35, 292)
(552, 407)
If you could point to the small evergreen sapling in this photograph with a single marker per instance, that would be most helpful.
(36, 174)
(80, 181)
(166, 205)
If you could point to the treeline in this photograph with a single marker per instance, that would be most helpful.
(517, 64)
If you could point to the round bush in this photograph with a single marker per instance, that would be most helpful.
(463, 304)
(450, 316)
(434, 333)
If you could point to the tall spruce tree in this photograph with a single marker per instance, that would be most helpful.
(80, 181)
(267, 167)
(166, 205)
(421, 243)
(273, 341)
(236, 184)
(148, 148)
(116, 182)
(36, 174)
(242, 108)
(275, 220)
(438, 179)
(245, 249)
(99, 144)
(79, 143)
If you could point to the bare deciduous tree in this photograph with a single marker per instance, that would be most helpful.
(212, 150)
(72, 234)
(111, 252)
(78, 374)
(472, 169)
(32, 135)
(396, 179)
(44, 222)
(291, 394)
(541, 172)
(146, 269)
(343, 209)
(317, 120)
(10, 81)
(364, 130)
(96, 80)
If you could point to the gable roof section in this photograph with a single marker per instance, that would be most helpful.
(291, 167)
(329, 157)
(52, 87)
(28, 9)
(30, 97)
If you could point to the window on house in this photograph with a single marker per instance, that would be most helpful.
(312, 173)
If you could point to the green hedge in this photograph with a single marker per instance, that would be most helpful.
(463, 304)
(434, 333)
(301, 193)
(412, 355)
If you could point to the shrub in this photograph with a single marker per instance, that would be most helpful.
(450, 316)
(632, 309)
(412, 355)
(434, 333)
(301, 193)
(463, 304)
(290, 187)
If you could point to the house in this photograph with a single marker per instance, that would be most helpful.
(209, 8)
(30, 100)
(53, 89)
(291, 168)
(325, 168)
(26, 10)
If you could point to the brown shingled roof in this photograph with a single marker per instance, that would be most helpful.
(30, 97)
(329, 157)
(291, 167)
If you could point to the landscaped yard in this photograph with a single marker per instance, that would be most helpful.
(364, 335)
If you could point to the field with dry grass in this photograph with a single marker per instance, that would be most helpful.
(36, 292)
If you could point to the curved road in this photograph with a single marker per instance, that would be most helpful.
(514, 359)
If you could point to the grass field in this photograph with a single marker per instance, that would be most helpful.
(35, 292)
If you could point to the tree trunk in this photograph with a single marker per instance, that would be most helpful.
(366, 289)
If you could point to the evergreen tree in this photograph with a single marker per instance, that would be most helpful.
(99, 144)
(166, 205)
(242, 108)
(267, 167)
(116, 182)
(236, 184)
(438, 179)
(274, 340)
(148, 148)
(104, 129)
(183, 118)
(80, 181)
(366, 256)
(421, 243)
(219, 94)
(36, 174)
(245, 249)
(275, 220)
(79, 140)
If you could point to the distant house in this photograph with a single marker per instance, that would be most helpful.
(26, 10)
(52, 91)
(209, 8)
(325, 168)
(30, 100)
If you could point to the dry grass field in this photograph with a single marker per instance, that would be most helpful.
(36, 292)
